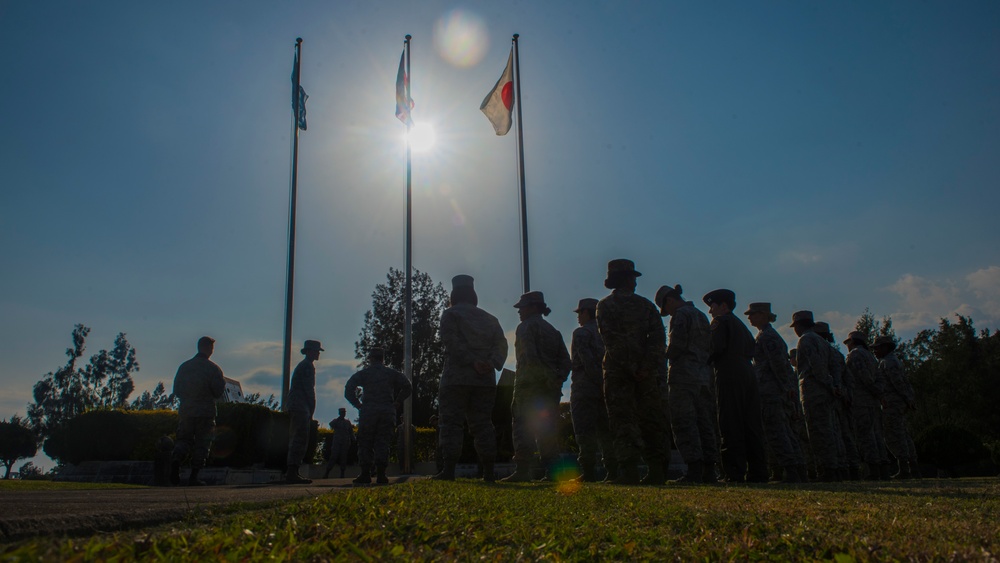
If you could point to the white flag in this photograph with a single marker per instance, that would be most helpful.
(499, 103)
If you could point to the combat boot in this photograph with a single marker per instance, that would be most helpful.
(854, 473)
(611, 472)
(446, 474)
(904, 471)
(872, 474)
(883, 472)
(365, 478)
(803, 472)
(694, 475)
(175, 473)
(292, 476)
(193, 480)
(628, 474)
(380, 477)
(522, 474)
(489, 471)
(914, 469)
(587, 474)
(656, 476)
(791, 475)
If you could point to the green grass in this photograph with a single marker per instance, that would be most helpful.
(43, 485)
(467, 520)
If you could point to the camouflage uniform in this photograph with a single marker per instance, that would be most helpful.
(692, 405)
(587, 406)
(843, 380)
(543, 364)
(469, 334)
(340, 442)
(816, 389)
(634, 344)
(301, 406)
(862, 368)
(898, 398)
(198, 384)
(776, 383)
(744, 455)
(382, 388)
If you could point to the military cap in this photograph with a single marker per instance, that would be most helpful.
(205, 341)
(821, 328)
(530, 298)
(622, 266)
(802, 316)
(761, 307)
(664, 292)
(462, 280)
(720, 296)
(341, 409)
(312, 345)
(856, 336)
(884, 341)
(586, 303)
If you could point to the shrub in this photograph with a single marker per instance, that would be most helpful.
(949, 447)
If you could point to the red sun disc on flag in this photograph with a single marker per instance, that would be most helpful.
(507, 95)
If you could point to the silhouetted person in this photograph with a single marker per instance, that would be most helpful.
(340, 442)
(301, 406)
(198, 384)
(383, 388)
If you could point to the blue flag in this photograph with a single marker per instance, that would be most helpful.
(299, 96)
(404, 103)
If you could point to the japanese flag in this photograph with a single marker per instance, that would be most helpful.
(499, 103)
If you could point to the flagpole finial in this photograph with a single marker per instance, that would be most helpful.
(298, 40)
(516, 35)
(408, 37)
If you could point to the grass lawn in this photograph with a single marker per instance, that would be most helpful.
(468, 520)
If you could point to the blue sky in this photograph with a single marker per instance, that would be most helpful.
(829, 156)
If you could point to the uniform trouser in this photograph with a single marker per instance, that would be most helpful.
(744, 455)
(593, 433)
(375, 429)
(897, 432)
(635, 413)
(534, 425)
(847, 434)
(194, 436)
(692, 410)
(466, 403)
(339, 451)
(868, 431)
(823, 439)
(298, 435)
(781, 439)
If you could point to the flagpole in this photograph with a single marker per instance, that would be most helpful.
(520, 170)
(408, 338)
(286, 362)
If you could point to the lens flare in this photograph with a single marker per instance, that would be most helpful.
(422, 137)
(460, 37)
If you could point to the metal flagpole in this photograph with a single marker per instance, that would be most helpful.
(286, 363)
(408, 293)
(520, 170)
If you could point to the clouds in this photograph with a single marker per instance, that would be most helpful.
(924, 302)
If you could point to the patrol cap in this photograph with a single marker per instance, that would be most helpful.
(720, 296)
(664, 292)
(884, 341)
(586, 303)
(802, 316)
(341, 409)
(761, 307)
(530, 298)
(821, 328)
(462, 280)
(205, 341)
(312, 345)
(856, 336)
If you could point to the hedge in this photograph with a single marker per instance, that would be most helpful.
(245, 435)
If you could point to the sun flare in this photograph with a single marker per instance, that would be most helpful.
(422, 137)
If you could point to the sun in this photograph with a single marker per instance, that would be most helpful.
(422, 137)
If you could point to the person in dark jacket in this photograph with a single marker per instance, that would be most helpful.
(744, 454)
(301, 406)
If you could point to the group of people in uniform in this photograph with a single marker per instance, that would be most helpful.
(738, 408)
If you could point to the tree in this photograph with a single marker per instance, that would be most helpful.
(873, 328)
(29, 471)
(385, 326)
(17, 441)
(157, 400)
(270, 402)
(105, 382)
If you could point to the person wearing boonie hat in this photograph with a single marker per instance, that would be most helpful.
(899, 398)
(301, 405)
(744, 453)
(543, 364)
(777, 384)
(340, 442)
(693, 417)
(847, 449)
(199, 383)
(586, 399)
(475, 348)
(816, 390)
(378, 392)
(634, 346)
(866, 408)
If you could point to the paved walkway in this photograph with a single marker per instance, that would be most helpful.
(78, 512)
